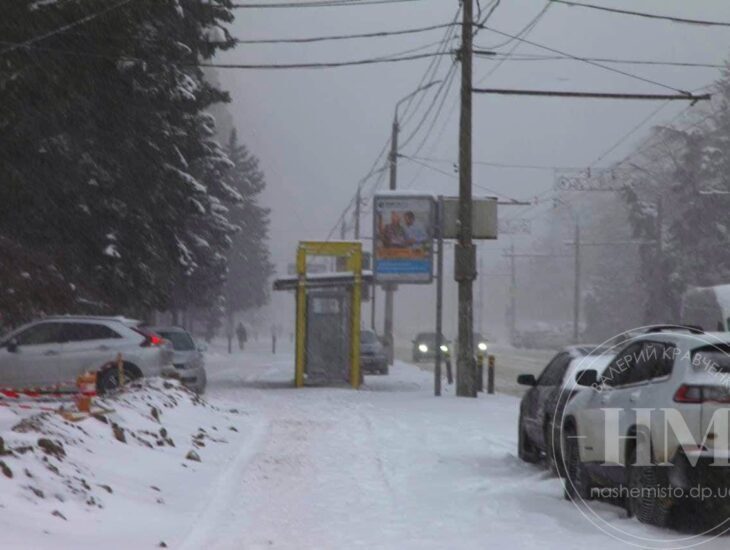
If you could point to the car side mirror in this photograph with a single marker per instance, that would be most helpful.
(202, 347)
(526, 380)
(12, 345)
(587, 378)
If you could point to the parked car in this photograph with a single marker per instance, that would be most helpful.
(672, 373)
(56, 350)
(187, 358)
(372, 354)
(542, 405)
(424, 346)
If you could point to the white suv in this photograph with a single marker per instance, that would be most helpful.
(657, 418)
(56, 350)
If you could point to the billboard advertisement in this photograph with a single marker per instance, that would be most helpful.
(403, 234)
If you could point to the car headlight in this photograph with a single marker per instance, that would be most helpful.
(444, 348)
(423, 348)
(482, 346)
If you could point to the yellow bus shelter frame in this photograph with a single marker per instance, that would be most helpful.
(352, 252)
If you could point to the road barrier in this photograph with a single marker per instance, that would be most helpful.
(55, 398)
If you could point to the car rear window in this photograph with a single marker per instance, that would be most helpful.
(713, 358)
(181, 341)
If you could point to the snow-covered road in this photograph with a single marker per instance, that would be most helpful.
(386, 467)
(389, 466)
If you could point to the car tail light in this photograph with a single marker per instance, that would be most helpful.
(150, 338)
(701, 394)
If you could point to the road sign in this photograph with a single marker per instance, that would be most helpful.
(588, 180)
(483, 217)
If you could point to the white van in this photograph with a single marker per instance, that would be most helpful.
(707, 307)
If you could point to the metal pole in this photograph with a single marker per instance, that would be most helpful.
(513, 297)
(373, 286)
(490, 375)
(576, 288)
(439, 294)
(465, 270)
(388, 321)
(357, 214)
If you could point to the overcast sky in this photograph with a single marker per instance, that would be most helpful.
(317, 132)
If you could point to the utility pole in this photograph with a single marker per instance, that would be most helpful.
(465, 255)
(576, 287)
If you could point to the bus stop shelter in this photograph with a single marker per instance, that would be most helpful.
(327, 314)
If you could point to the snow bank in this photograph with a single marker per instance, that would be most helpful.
(128, 479)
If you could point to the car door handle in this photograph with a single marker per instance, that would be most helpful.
(104, 348)
(605, 398)
(51, 352)
(635, 395)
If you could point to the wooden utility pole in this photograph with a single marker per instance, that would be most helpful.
(465, 255)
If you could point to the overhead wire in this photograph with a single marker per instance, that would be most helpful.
(671, 18)
(322, 65)
(527, 57)
(585, 60)
(317, 4)
(311, 39)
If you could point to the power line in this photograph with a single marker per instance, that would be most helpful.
(319, 4)
(377, 34)
(452, 176)
(592, 95)
(647, 15)
(595, 64)
(525, 57)
(431, 70)
(64, 28)
(323, 65)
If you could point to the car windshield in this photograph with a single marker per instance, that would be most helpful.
(368, 337)
(181, 341)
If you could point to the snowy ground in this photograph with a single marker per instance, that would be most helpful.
(388, 467)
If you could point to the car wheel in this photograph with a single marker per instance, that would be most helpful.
(525, 449)
(577, 480)
(648, 497)
(108, 379)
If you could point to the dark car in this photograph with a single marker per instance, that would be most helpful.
(424, 346)
(372, 354)
(545, 400)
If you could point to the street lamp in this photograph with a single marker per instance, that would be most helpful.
(393, 158)
(396, 128)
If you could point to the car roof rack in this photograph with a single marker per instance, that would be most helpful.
(693, 329)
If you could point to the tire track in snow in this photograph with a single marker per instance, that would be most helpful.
(225, 491)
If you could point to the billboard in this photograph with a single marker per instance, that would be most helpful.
(403, 238)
